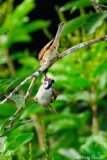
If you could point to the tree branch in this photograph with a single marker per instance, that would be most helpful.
(98, 6)
(37, 73)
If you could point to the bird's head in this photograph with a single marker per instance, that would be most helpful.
(47, 82)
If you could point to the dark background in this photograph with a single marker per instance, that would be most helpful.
(45, 9)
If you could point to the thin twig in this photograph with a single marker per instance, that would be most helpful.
(30, 88)
(81, 45)
(102, 5)
(37, 73)
(98, 6)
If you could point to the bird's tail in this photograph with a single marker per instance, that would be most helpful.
(52, 109)
(59, 31)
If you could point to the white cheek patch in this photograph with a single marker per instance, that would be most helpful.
(45, 84)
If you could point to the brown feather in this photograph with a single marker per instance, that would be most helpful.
(47, 46)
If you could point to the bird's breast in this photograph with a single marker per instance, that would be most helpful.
(44, 96)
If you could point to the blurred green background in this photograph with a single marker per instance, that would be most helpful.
(79, 131)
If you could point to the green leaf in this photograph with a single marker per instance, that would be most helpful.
(18, 99)
(89, 22)
(17, 55)
(95, 145)
(69, 153)
(33, 108)
(67, 121)
(22, 10)
(78, 96)
(16, 81)
(2, 144)
(36, 25)
(100, 69)
(18, 36)
(80, 83)
(6, 129)
(12, 82)
(75, 5)
(6, 110)
(102, 80)
(22, 38)
(18, 142)
(74, 24)
(29, 62)
(94, 21)
(3, 30)
(6, 123)
(5, 82)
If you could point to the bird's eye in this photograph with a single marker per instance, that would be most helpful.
(52, 81)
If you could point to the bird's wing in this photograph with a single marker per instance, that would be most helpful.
(47, 46)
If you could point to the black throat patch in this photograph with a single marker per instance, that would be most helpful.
(49, 86)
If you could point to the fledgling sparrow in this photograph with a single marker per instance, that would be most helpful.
(46, 94)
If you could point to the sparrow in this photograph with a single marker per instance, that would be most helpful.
(50, 50)
(46, 94)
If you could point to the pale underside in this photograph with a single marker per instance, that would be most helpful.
(43, 96)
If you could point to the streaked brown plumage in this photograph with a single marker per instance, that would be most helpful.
(48, 53)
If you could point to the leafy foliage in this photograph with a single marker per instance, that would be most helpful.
(80, 80)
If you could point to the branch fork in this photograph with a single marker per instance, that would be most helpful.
(36, 74)
(43, 68)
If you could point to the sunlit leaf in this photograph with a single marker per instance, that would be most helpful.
(4, 83)
(95, 145)
(22, 10)
(18, 99)
(19, 36)
(3, 30)
(36, 25)
(18, 142)
(94, 21)
(80, 96)
(69, 153)
(29, 62)
(74, 24)
(2, 141)
(6, 128)
(68, 121)
(75, 4)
